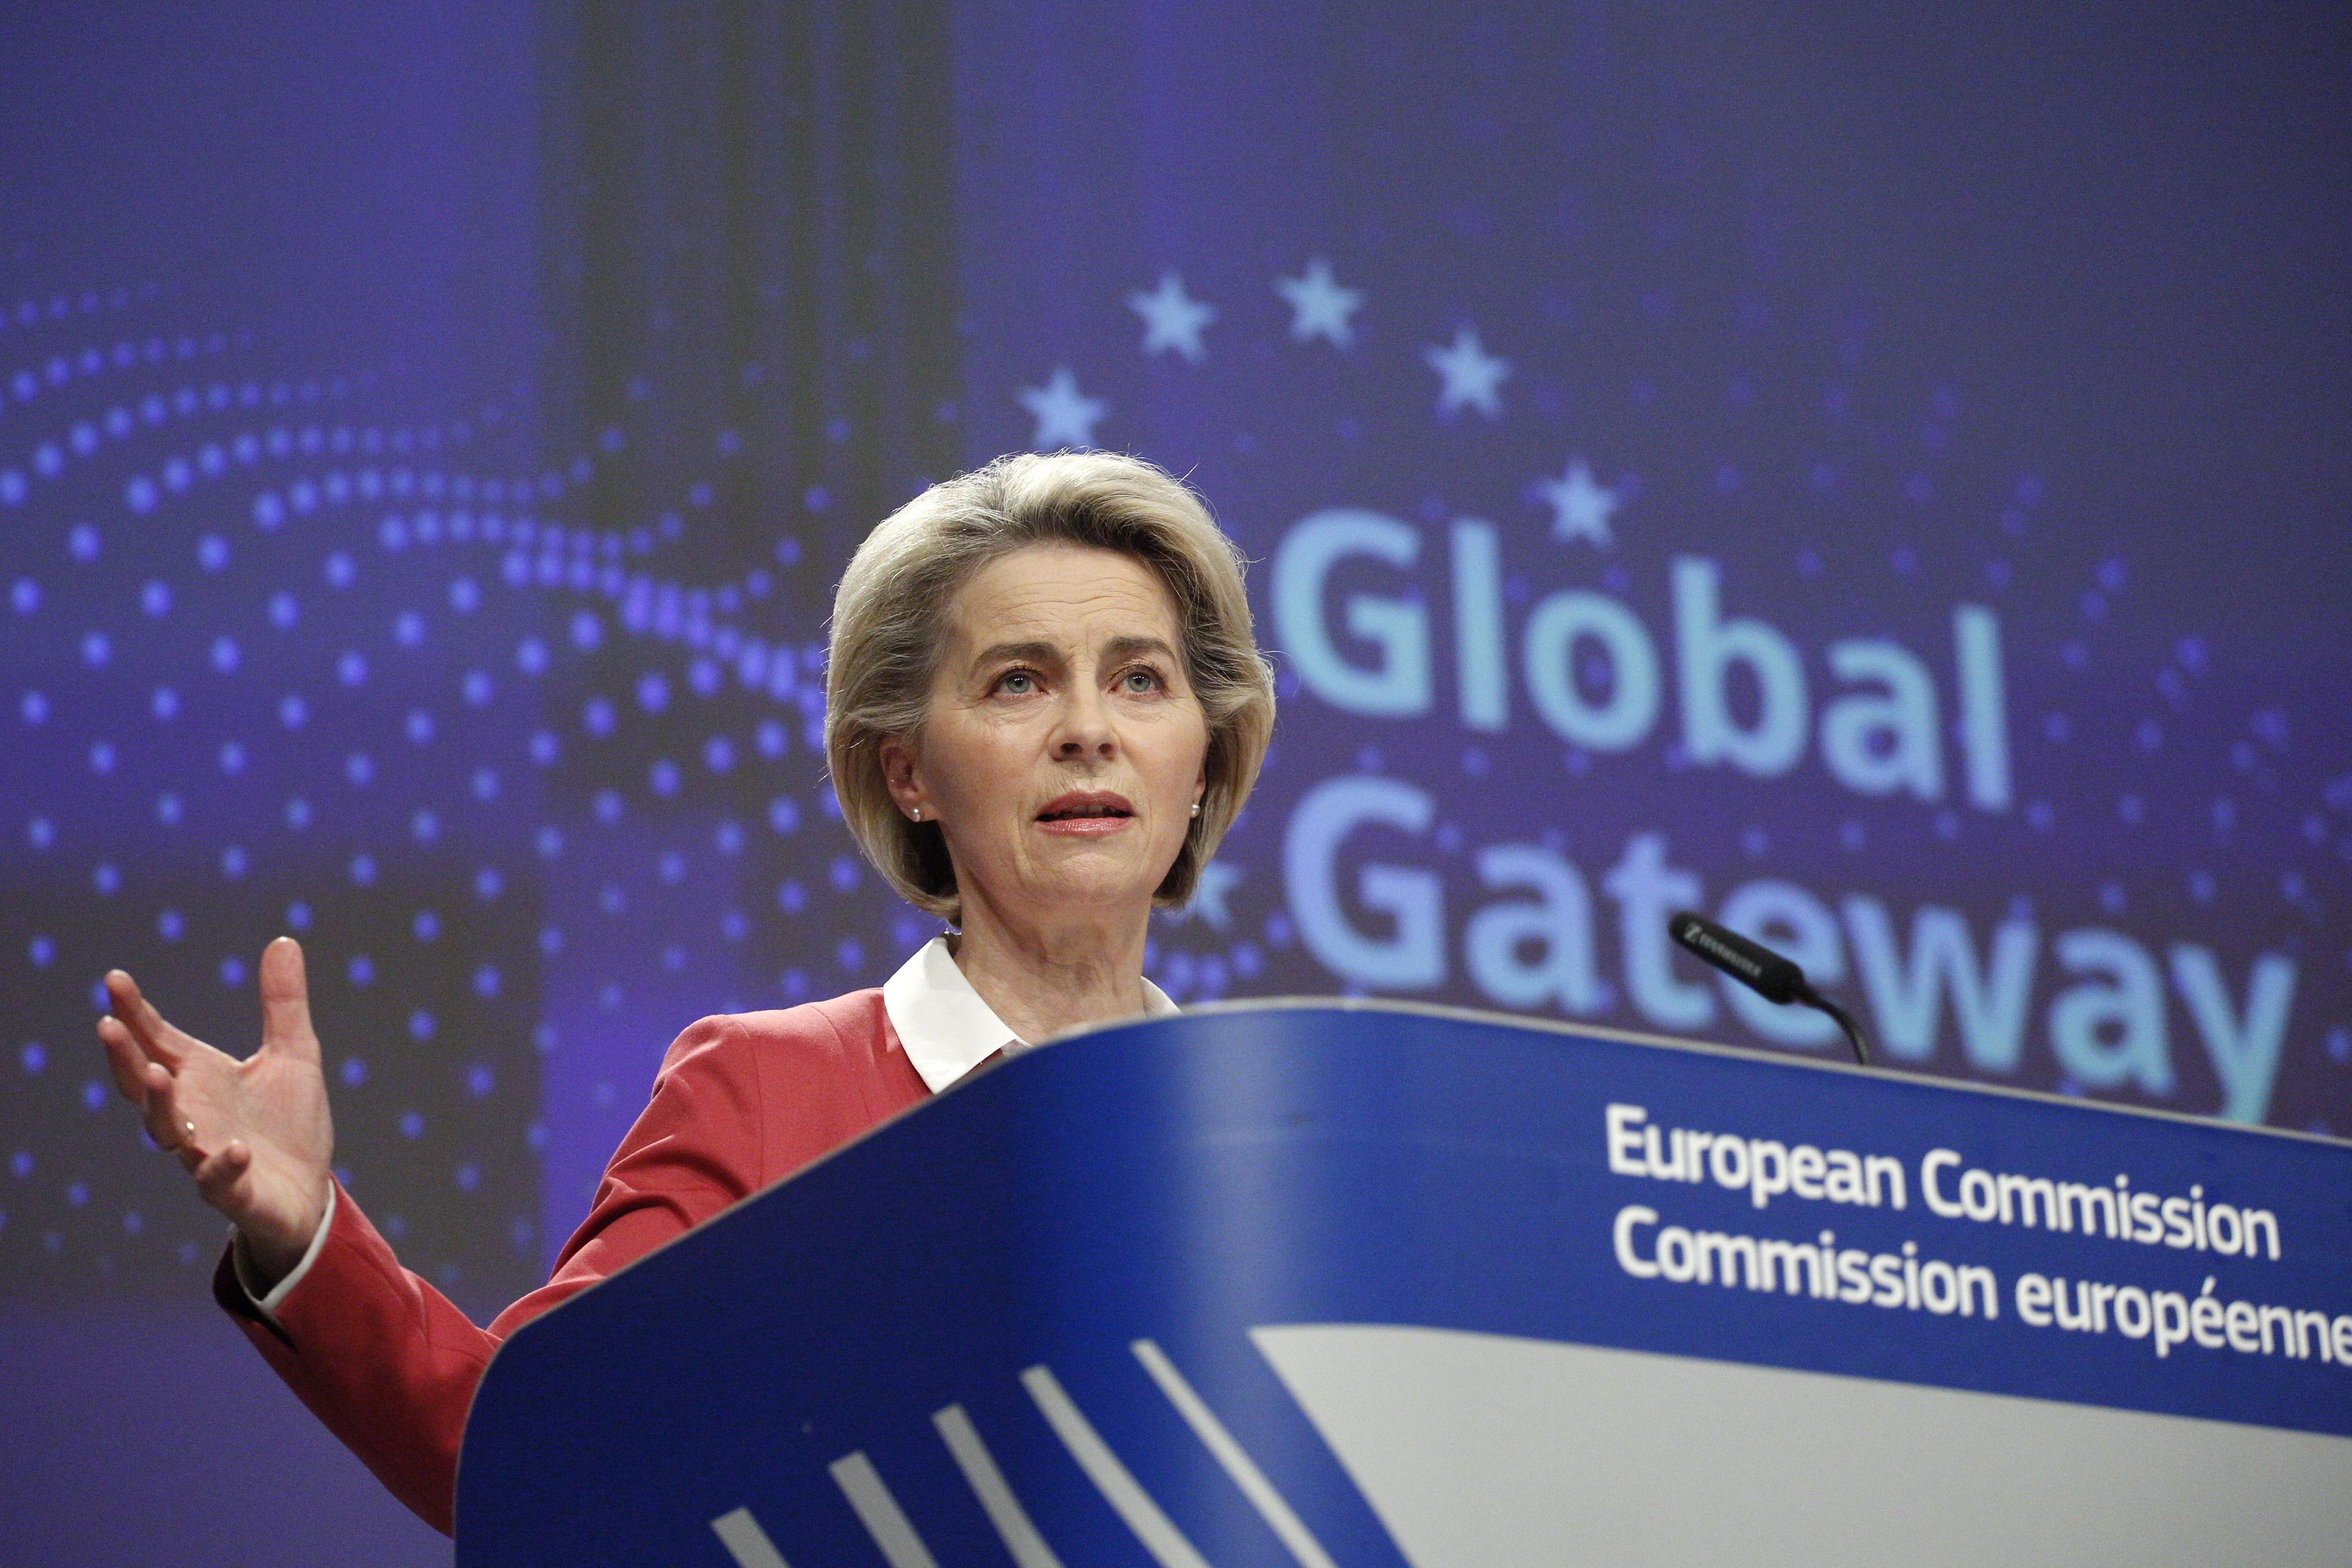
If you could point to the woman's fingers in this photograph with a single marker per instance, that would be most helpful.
(212, 1111)
(125, 1059)
(217, 1176)
(285, 1001)
(160, 1109)
(158, 1038)
(151, 1088)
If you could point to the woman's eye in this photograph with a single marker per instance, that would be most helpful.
(1020, 683)
(1139, 681)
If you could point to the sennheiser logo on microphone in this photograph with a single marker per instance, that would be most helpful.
(1694, 934)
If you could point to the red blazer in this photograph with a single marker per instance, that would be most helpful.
(739, 1104)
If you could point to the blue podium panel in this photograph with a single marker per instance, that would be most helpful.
(1371, 1285)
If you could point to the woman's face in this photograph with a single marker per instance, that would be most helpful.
(1063, 749)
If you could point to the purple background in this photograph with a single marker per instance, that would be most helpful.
(427, 441)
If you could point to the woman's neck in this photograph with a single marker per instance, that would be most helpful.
(1042, 979)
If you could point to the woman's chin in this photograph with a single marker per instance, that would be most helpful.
(1092, 873)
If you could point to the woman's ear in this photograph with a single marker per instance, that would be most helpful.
(899, 772)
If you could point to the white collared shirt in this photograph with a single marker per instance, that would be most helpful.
(944, 1026)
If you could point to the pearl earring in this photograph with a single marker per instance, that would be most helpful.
(1196, 808)
(916, 812)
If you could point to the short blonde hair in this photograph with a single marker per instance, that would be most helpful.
(888, 632)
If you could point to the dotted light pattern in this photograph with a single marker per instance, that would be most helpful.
(538, 792)
(532, 801)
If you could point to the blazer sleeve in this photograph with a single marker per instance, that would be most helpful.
(390, 1365)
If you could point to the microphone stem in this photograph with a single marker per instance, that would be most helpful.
(1813, 999)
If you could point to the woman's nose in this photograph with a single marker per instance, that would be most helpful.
(1086, 727)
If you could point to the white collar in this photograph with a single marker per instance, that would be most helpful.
(943, 1025)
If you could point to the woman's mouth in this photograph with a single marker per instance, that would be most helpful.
(1088, 813)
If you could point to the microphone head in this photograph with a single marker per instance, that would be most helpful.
(1753, 965)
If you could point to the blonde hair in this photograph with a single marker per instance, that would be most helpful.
(887, 631)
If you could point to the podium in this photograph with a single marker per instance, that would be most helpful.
(1329, 1284)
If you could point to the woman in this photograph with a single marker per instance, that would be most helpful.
(1043, 708)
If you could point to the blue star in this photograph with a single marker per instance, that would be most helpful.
(1065, 417)
(1580, 507)
(1218, 878)
(1470, 375)
(1321, 304)
(1172, 318)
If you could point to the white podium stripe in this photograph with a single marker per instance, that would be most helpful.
(1120, 1488)
(988, 1484)
(1214, 1436)
(746, 1542)
(861, 1483)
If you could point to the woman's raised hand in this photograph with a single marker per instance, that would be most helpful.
(257, 1135)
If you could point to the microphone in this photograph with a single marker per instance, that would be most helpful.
(1761, 970)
